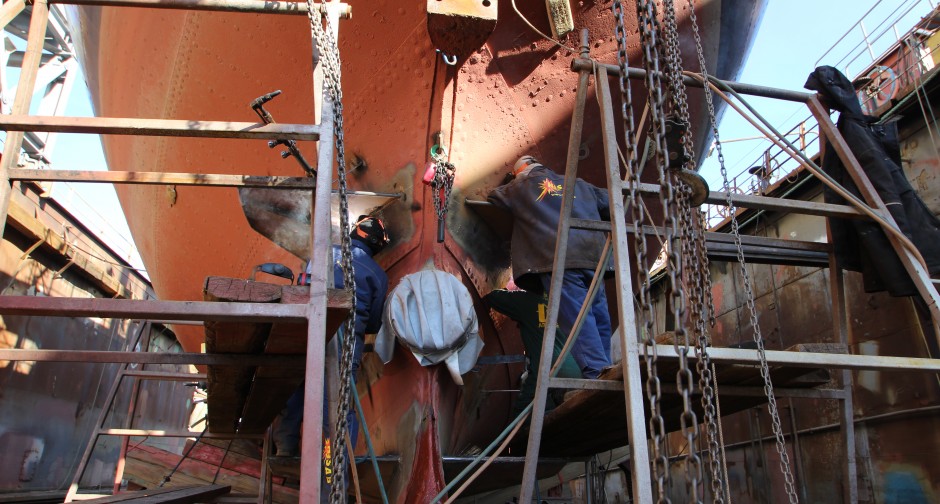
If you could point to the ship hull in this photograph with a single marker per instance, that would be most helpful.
(513, 96)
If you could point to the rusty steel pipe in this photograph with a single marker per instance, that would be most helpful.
(198, 359)
(158, 127)
(579, 64)
(244, 6)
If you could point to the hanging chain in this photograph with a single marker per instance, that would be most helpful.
(443, 182)
(678, 97)
(657, 427)
(749, 293)
(329, 57)
(649, 37)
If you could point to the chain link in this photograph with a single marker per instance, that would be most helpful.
(442, 185)
(329, 58)
(657, 427)
(749, 293)
(649, 37)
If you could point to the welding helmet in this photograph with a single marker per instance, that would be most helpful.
(371, 231)
(522, 163)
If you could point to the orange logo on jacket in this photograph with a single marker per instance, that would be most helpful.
(549, 188)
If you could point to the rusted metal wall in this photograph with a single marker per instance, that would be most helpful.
(895, 412)
(48, 409)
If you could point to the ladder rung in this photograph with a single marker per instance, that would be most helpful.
(585, 384)
(159, 127)
(593, 225)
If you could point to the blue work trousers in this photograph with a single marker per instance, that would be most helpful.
(592, 349)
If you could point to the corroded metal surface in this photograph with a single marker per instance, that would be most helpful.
(47, 409)
(510, 97)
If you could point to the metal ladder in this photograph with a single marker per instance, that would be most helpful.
(19, 122)
(630, 348)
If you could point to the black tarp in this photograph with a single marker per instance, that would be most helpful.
(861, 245)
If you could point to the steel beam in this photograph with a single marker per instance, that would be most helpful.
(137, 309)
(811, 359)
(756, 202)
(246, 6)
(165, 376)
(583, 384)
(9, 10)
(196, 359)
(180, 179)
(39, 19)
(158, 127)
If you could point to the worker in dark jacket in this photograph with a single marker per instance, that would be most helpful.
(533, 196)
(368, 237)
(528, 310)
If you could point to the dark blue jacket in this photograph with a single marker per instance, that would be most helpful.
(371, 286)
(534, 199)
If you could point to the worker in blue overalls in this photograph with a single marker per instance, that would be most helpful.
(367, 238)
(533, 196)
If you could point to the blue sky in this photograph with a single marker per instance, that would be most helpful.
(793, 35)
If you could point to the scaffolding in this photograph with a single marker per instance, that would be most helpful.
(21, 126)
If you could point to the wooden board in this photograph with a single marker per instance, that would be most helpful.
(175, 495)
(592, 421)
(148, 465)
(246, 399)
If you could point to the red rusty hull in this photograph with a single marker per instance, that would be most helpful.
(513, 96)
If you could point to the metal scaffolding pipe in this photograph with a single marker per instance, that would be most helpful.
(246, 6)
(748, 89)
(138, 309)
(198, 359)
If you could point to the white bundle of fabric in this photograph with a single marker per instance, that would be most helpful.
(431, 313)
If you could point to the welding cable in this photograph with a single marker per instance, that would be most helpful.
(365, 430)
(813, 168)
(536, 30)
(166, 479)
(513, 428)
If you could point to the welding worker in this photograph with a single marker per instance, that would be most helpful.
(367, 238)
(529, 311)
(533, 195)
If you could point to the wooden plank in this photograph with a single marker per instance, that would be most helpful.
(248, 399)
(180, 495)
(590, 421)
(37, 497)
(107, 277)
(151, 310)
(158, 127)
(147, 466)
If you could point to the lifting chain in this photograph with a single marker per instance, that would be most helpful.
(657, 427)
(749, 293)
(442, 183)
(689, 259)
(329, 57)
(649, 38)
(677, 90)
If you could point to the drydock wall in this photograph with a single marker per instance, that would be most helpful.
(49, 409)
